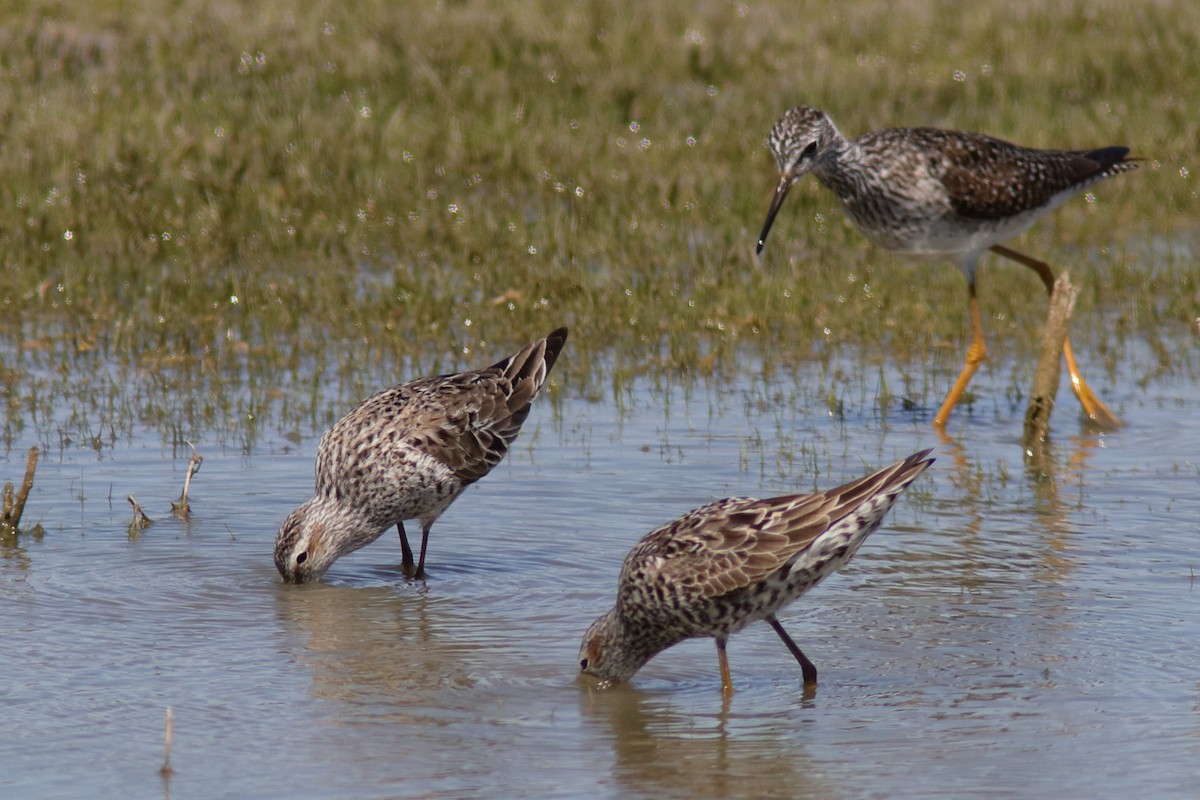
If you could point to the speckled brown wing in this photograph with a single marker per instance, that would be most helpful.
(736, 542)
(471, 429)
(991, 179)
(465, 420)
(482, 412)
(725, 545)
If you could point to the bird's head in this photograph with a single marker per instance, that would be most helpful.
(304, 546)
(798, 141)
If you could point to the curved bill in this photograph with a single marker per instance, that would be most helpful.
(781, 191)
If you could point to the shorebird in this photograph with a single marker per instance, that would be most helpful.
(727, 564)
(945, 194)
(408, 452)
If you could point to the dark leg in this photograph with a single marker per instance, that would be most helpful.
(806, 667)
(726, 678)
(1092, 406)
(405, 550)
(420, 573)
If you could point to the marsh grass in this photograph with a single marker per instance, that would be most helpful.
(211, 213)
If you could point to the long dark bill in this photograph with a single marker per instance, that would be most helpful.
(776, 203)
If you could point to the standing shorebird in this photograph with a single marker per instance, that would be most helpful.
(722, 566)
(408, 452)
(942, 194)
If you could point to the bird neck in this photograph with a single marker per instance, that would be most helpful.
(348, 527)
(342, 496)
(841, 168)
(644, 638)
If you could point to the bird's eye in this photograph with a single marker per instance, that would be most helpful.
(300, 559)
(583, 664)
(810, 150)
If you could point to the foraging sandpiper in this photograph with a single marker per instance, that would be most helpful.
(408, 452)
(724, 565)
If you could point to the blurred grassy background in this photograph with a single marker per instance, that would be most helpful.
(212, 210)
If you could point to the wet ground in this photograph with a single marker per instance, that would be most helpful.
(1014, 630)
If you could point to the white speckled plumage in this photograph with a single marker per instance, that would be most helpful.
(935, 193)
(407, 453)
(727, 564)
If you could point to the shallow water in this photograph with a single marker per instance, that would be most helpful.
(1013, 630)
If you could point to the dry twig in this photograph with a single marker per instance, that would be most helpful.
(14, 502)
(140, 520)
(182, 509)
(1045, 379)
(165, 770)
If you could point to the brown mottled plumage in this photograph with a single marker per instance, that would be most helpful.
(722, 566)
(407, 453)
(941, 194)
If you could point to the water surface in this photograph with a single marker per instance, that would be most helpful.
(1013, 630)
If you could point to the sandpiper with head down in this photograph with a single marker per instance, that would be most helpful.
(727, 564)
(942, 194)
(407, 453)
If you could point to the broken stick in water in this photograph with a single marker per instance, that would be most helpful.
(14, 502)
(165, 770)
(140, 520)
(1045, 379)
(182, 509)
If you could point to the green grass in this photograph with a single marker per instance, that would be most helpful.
(219, 208)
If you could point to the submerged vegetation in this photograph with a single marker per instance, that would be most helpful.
(213, 213)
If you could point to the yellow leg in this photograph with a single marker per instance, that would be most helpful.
(1092, 405)
(726, 678)
(975, 355)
